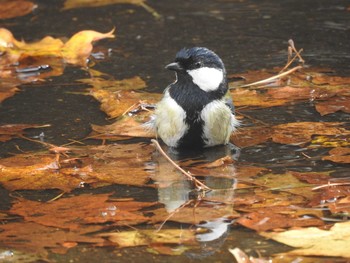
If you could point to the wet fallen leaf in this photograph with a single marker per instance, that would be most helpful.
(75, 212)
(95, 165)
(76, 50)
(338, 155)
(128, 126)
(341, 206)
(269, 220)
(246, 137)
(149, 237)
(10, 131)
(316, 178)
(118, 102)
(38, 239)
(301, 132)
(7, 91)
(314, 241)
(338, 140)
(333, 105)
(15, 8)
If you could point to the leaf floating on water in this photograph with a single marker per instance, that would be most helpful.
(76, 50)
(38, 239)
(94, 165)
(313, 241)
(333, 105)
(76, 212)
(301, 132)
(16, 8)
(338, 155)
(127, 127)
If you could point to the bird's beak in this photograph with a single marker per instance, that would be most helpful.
(174, 66)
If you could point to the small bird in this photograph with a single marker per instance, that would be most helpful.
(196, 110)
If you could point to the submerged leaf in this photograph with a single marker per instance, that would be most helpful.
(149, 237)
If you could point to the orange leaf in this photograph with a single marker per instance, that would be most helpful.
(15, 8)
(79, 46)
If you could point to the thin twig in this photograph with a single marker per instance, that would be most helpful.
(291, 44)
(56, 197)
(272, 78)
(199, 185)
(330, 184)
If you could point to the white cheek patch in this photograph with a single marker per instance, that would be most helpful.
(207, 79)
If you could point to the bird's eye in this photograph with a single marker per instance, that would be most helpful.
(197, 64)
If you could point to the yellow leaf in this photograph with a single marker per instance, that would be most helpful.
(147, 237)
(79, 46)
(313, 241)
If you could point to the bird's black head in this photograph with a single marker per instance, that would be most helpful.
(197, 57)
(202, 67)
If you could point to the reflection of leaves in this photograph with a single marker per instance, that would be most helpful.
(313, 241)
(15, 8)
(148, 237)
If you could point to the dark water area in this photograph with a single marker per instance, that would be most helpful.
(248, 35)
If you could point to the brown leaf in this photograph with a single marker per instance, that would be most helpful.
(301, 132)
(75, 212)
(126, 127)
(36, 238)
(246, 137)
(334, 104)
(312, 177)
(338, 155)
(15, 8)
(264, 221)
(97, 165)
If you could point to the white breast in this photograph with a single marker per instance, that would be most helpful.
(208, 79)
(170, 120)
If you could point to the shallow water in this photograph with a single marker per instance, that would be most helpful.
(246, 34)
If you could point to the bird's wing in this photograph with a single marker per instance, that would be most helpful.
(228, 101)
